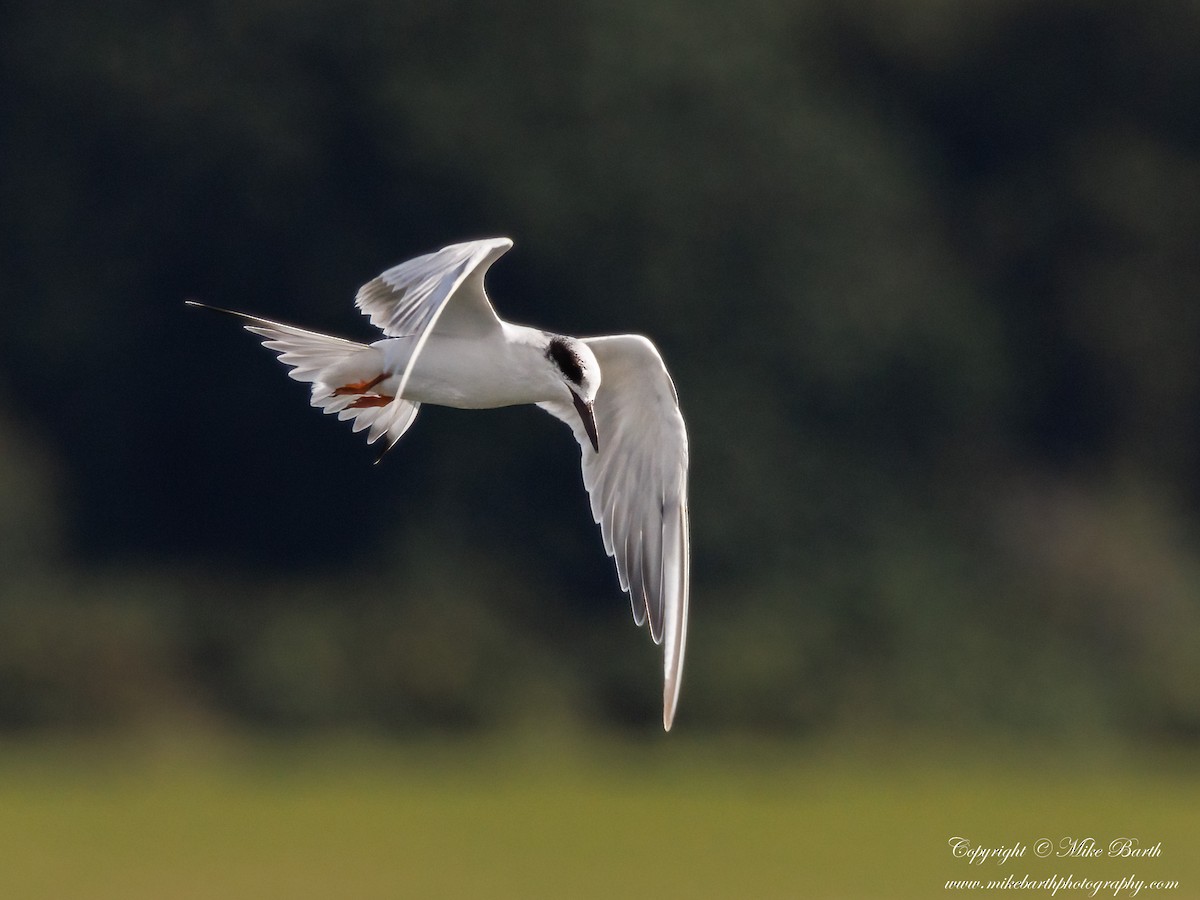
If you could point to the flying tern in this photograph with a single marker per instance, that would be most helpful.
(444, 344)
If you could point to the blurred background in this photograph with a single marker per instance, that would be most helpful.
(925, 274)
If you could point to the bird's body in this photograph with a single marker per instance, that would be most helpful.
(445, 345)
(466, 373)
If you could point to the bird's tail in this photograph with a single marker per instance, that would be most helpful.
(331, 363)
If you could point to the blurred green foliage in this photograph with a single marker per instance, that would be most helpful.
(925, 274)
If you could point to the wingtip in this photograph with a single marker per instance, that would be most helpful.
(384, 452)
(670, 701)
(671, 684)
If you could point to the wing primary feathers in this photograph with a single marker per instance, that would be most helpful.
(638, 488)
(386, 450)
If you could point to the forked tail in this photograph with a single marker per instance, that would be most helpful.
(342, 373)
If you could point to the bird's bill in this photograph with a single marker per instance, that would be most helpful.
(589, 419)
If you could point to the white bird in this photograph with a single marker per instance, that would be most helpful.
(445, 345)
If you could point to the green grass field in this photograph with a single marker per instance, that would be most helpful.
(670, 818)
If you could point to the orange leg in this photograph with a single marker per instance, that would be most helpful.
(359, 387)
(369, 400)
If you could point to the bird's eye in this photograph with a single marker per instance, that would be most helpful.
(566, 359)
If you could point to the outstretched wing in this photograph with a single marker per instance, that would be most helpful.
(409, 298)
(442, 290)
(638, 488)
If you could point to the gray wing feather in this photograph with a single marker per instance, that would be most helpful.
(415, 297)
(638, 489)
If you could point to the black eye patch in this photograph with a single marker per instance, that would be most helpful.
(566, 359)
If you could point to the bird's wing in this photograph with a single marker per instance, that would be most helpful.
(443, 289)
(311, 357)
(410, 298)
(638, 488)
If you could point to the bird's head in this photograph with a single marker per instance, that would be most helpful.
(579, 371)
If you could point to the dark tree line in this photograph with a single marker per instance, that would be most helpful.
(925, 272)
